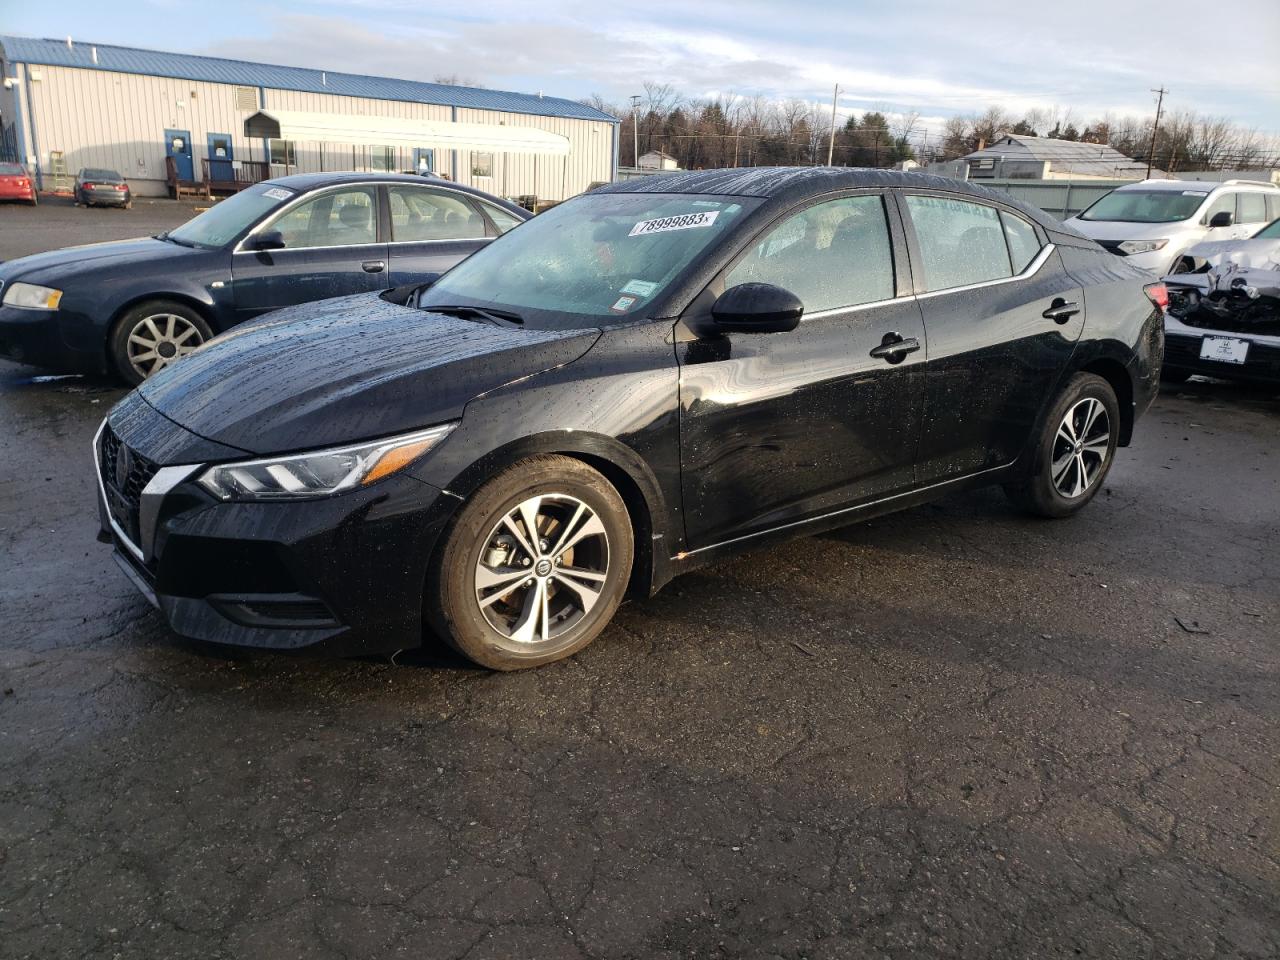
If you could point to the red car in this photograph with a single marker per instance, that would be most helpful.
(16, 183)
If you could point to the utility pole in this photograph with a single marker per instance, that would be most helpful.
(635, 128)
(1155, 128)
(831, 145)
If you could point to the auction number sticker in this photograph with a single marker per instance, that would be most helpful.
(278, 193)
(684, 221)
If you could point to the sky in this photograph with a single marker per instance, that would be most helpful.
(936, 58)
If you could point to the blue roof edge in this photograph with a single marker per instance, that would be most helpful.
(189, 66)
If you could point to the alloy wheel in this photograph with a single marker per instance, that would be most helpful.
(542, 568)
(158, 340)
(1081, 447)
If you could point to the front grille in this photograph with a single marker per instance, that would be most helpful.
(125, 474)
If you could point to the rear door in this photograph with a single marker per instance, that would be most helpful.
(781, 427)
(431, 229)
(1003, 318)
(331, 249)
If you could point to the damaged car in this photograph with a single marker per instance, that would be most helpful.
(1223, 318)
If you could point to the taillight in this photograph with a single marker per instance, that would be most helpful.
(1158, 294)
(121, 186)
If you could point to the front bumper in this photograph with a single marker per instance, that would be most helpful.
(1182, 353)
(338, 575)
(38, 337)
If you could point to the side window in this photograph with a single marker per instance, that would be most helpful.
(1251, 208)
(503, 220)
(1024, 245)
(834, 254)
(1273, 206)
(420, 213)
(960, 242)
(1223, 203)
(337, 218)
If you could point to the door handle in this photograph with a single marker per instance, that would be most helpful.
(1060, 311)
(894, 348)
(373, 266)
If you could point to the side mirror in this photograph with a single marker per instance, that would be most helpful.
(268, 240)
(756, 308)
(1222, 219)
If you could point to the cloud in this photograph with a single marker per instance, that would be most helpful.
(939, 58)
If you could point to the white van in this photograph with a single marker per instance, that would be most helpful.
(1153, 223)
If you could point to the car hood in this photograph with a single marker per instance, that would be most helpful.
(1256, 254)
(1125, 230)
(345, 370)
(57, 264)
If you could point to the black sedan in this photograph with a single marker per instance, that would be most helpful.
(135, 306)
(98, 187)
(644, 379)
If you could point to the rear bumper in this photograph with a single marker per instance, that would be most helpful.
(12, 193)
(1182, 353)
(104, 198)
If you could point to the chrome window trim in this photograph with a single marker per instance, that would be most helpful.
(1031, 270)
(832, 311)
(165, 479)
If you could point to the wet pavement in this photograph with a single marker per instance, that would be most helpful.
(953, 732)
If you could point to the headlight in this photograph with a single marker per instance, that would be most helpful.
(319, 474)
(30, 297)
(1142, 246)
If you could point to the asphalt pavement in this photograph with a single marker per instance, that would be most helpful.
(952, 732)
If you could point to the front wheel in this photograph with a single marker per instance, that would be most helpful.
(534, 566)
(153, 335)
(1074, 452)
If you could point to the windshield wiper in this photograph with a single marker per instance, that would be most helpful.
(499, 318)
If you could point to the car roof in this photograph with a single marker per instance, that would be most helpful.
(787, 185)
(1205, 186)
(315, 181)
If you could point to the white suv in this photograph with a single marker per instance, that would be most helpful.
(1154, 222)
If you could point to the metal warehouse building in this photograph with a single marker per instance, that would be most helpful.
(67, 105)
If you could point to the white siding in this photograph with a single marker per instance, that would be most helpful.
(99, 118)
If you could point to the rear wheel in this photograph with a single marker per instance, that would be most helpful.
(534, 566)
(34, 199)
(1074, 452)
(153, 335)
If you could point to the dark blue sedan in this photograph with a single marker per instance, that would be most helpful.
(135, 306)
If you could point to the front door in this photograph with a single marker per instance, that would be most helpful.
(1003, 318)
(781, 427)
(432, 228)
(221, 156)
(331, 249)
(177, 144)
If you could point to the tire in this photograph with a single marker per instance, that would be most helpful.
(174, 328)
(1071, 459)
(509, 629)
(35, 200)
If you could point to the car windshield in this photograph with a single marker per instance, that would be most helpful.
(1146, 206)
(228, 219)
(1270, 232)
(603, 256)
(11, 170)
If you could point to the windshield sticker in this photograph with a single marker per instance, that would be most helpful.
(685, 221)
(641, 288)
(623, 305)
(278, 193)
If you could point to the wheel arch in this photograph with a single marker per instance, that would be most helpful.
(625, 469)
(1121, 381)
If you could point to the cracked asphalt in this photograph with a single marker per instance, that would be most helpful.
(953, 732)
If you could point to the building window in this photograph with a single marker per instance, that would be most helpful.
(482, 164)
(282, 153)
(382, 159)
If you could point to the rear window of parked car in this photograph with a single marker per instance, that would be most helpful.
(11, 170)
(960, 242)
